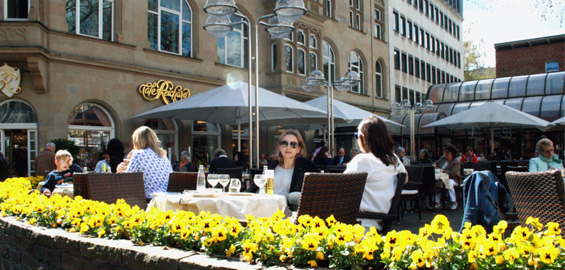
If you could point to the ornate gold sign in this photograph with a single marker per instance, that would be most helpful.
(164, 90)
(10, 80)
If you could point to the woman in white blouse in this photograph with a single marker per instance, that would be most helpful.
(380, 163)
(148, 157)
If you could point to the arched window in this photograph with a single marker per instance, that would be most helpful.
(169, 26)
(313, 61)
(288, 58)
(90, 127)
(94, 18)
(274, 60)
(378, 80)
(356, 64)
(18, 136)
(232, 49)
(328, 61)
(301, 61)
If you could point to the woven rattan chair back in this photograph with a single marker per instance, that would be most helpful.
(337, 194)
(539, 195)
(180, 181)
(109, 187)
(80, 185)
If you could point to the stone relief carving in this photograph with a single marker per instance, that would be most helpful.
(13, 34)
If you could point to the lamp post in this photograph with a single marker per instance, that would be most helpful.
(406, 108)
(279, 25)
(315, 79)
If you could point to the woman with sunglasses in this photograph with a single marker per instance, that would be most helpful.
(380, 163)
(288, 166)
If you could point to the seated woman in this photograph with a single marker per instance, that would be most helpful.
(288, 166)
(547, 159)
(452, 166)
(184, 165)
(148, 157)
(381, 164)
(425, 157)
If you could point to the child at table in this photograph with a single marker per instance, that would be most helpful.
(63, 173)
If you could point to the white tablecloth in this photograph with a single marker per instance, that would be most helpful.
(237, 206)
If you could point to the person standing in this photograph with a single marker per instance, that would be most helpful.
(221, 161)
(45, 161)
(341, 159)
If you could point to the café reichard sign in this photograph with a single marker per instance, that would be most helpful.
(10, 80)
(164, 90)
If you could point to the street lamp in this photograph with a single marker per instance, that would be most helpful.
(406, 108)
(279, 25)
(317, 78)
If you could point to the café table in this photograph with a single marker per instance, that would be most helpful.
(63, 190)
(235, 205)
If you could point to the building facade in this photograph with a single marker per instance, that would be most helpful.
(425, 46)
(530, 56)
(81, 64)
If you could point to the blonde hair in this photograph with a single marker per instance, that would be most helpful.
(144, 137)
(542, 144)
(62, 154)
(296, 134)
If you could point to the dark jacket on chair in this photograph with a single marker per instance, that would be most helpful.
(484, 198)
(301, 164)
(221, 162)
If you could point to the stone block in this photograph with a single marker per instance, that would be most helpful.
(72, 262)
(150, 257)
(14, 255)
(47, 254)
(104, 250)
(202, 261)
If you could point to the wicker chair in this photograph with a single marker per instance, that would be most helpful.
(80, 185)
(337, 194)
(538, 194)
(109, 187)
(179, 181)
(411, 190)
(392, 214)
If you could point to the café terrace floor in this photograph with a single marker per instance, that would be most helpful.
(410, 221)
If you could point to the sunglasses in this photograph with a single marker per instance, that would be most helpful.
(356, 135)
(285, 144)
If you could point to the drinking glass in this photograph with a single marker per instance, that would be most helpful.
(213, 179)
(224, 181)
(235, 185)
(260, 180)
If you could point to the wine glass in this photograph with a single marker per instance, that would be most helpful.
(213, 179)
(224, 181)
(260, 180)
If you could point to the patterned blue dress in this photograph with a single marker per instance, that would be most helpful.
(155, 170)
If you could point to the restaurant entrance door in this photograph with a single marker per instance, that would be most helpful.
(19, 149)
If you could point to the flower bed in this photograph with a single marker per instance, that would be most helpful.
(275, 240)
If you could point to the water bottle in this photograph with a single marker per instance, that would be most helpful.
(201, 179)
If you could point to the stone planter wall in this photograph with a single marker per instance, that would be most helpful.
(23, 246)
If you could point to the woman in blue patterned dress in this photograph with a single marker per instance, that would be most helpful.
(148, 157)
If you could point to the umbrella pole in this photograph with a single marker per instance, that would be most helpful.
(491, 140)
(238, 135)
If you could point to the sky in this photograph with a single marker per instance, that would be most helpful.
(487, 22)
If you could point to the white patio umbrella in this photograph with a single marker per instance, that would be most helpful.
(228, 105)
(560, 121)
(490, 114)
(351, 114)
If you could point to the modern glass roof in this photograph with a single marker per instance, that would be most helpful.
(541, 95)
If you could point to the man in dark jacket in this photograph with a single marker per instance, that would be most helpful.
(221, 161)
(341, 159)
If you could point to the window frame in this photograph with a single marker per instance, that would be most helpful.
(291, 58)
(181, 20)
(360, 68)
(378, 80)
(243, 39)
(100, 19)
(304, 63)
(6, 18)
(330, 76)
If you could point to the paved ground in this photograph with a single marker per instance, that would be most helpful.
(410, 221)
